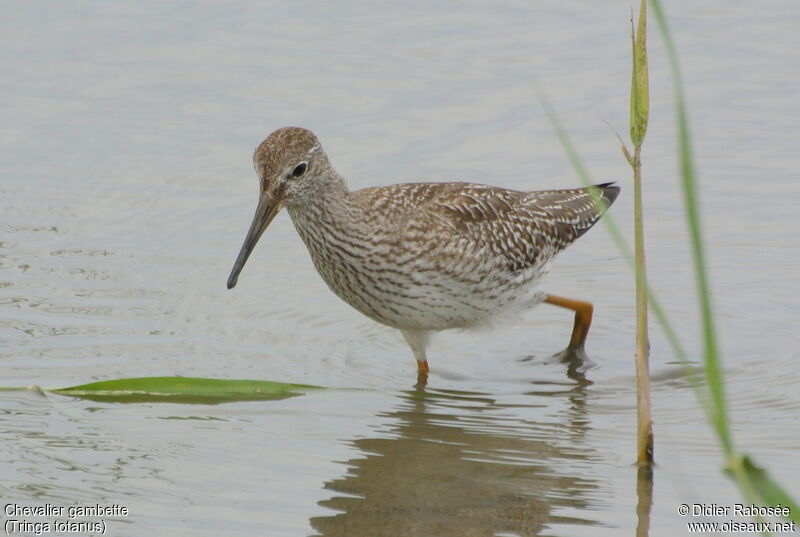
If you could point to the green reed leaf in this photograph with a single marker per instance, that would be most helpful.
(754, 482)
(688, 171)
(760, 487)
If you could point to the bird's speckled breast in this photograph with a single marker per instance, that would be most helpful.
(410, 278)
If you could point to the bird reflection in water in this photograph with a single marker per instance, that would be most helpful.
(462, 464)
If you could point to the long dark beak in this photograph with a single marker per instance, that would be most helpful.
(268, 207)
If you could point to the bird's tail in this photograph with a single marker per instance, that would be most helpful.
(572, 212)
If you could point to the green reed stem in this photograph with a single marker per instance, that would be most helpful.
(640, 111)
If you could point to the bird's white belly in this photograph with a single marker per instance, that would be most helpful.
(426, 298)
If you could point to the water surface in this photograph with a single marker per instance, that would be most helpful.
(126, 188)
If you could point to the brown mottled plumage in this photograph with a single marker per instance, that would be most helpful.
(422, 257)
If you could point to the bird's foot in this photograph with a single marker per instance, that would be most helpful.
(577, 362)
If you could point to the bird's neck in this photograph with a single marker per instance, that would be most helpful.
(329, 205)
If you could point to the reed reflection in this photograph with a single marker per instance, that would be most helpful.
(644, 494)
(462, 464)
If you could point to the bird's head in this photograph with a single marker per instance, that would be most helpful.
(292, 169)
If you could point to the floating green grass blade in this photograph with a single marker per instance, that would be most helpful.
(183, 390)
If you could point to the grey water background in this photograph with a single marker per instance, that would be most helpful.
(126, 188)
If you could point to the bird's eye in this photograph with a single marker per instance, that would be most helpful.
(299, 170)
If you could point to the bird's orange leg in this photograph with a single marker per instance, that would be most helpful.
(422, 373)
(583, 318)
(417, 340)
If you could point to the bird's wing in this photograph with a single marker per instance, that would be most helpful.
(519, 229)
